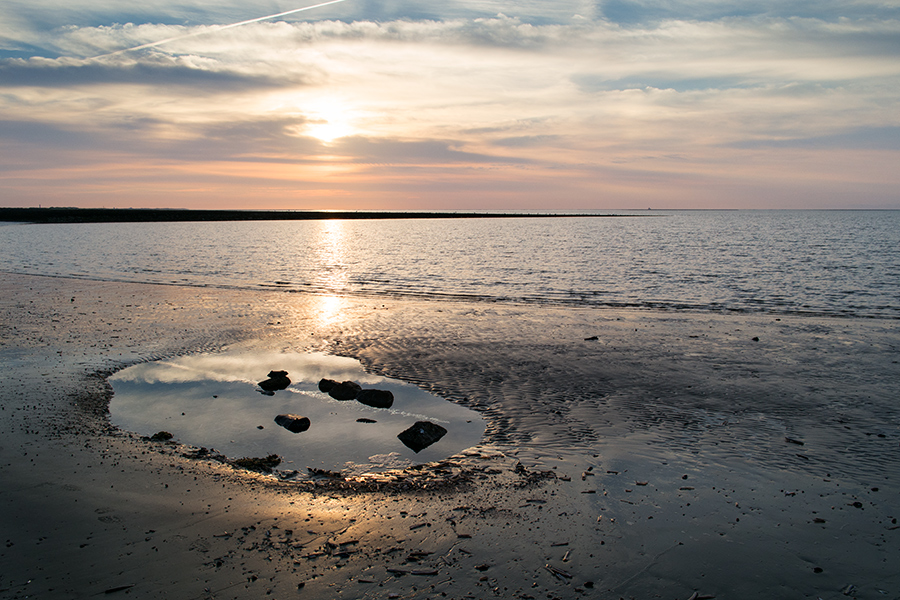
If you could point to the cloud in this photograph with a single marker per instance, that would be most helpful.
(631, 12)
(256, 139)
(251, 140)
(365, 150)
(866, 138)
(522, 141)
(174, 72)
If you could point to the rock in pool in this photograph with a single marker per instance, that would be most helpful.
(421, 435)
(376, 398)
(293, 423)
(346, 390)
(278, 380)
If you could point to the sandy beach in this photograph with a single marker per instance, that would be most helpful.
(628, 454)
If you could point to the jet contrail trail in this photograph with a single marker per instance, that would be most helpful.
(216, 28)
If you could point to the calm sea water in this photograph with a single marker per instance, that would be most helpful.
(844, 263)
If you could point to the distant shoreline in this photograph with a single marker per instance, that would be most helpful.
(139, 215)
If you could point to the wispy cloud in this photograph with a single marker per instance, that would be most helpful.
(173, 72)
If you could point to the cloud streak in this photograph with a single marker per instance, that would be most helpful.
(217, 28)
(173, 72)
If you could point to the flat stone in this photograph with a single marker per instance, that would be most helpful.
(346, 390)
(376, 398)
(421, 435)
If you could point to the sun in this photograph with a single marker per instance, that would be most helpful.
(329, 123)
(325, 118)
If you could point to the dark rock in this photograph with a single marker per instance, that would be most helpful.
(325, 385)
(278, 380)
(364, 420)
(421, 435)
(161, 436)
(376, 398)
(293, 423)
(346, 390)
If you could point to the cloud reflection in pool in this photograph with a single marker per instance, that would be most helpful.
(213, 400)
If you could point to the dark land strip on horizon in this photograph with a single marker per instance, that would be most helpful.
(137, 215)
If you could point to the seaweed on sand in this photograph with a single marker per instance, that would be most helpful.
(260, 465)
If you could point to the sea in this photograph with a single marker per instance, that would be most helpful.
(843, 263)
(748, 457)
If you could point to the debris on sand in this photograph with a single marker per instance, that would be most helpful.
(203, 453)
(558, 573)
(421, 435)
(293, 423)
(260, 465)
(313, 472)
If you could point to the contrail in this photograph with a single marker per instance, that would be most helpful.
(216, 28)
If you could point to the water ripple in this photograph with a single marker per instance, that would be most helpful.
(839, 263)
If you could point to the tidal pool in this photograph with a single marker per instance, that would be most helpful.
(214, 401)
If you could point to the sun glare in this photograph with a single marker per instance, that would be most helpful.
(330, 253)
(325, 118)
(329, 123)
(328, 131)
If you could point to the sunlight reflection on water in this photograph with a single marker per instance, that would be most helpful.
(330, 250)
(838, 263)
(213, 400)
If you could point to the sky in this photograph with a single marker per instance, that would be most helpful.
(451, 105)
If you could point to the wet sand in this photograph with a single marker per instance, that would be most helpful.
(630, 454)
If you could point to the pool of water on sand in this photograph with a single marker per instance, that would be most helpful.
(214, 401)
